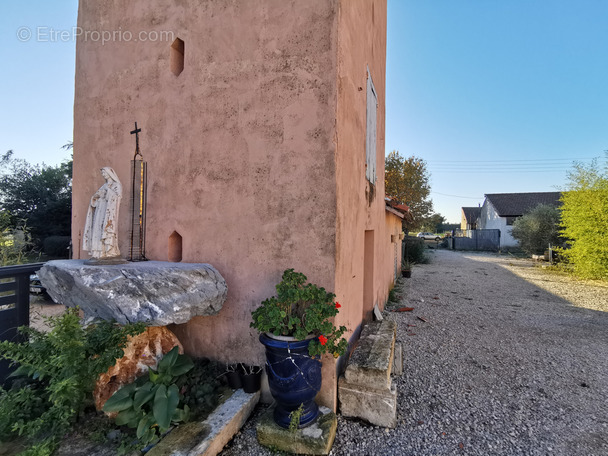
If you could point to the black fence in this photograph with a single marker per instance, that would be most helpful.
(488, 240)
(14, 304)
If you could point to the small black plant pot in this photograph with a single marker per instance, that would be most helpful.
(406, 274)
(251, 382)
(234, 379)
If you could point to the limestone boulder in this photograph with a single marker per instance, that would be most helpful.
(142, 352)
(155, 292)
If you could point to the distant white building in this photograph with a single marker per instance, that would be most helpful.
(500, 210)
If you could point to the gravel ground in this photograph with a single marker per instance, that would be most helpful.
(40, 308)
(510, 361)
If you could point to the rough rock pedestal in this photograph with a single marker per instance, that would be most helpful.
(155, 292)
(142, 352)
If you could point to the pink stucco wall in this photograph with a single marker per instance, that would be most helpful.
(256, 151)
(362, 44)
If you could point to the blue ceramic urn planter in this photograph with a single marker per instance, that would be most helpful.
(294, 378)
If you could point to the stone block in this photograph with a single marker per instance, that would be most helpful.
(158, 293)
(377, 313)
(208, 438)
(378, 407)
(398, 359)
(317, 438)
(372, 359)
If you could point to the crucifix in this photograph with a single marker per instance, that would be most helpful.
(139, 182)
(136, 133)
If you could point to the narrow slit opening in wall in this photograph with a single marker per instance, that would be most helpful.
(177, 56)
(175, 247)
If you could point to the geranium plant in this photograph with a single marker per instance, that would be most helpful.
(299, 310)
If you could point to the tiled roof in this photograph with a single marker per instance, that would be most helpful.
(471, 214)
(396, 204)
(516, 204)
(401, 209)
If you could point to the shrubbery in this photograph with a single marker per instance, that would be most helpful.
(585, 221)
(36, 196)
(56, 377)
(415, 249)
(537, 229)
(52, 388)
(56, 246)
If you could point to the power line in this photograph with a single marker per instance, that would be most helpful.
(456, 196)
(569, 160)
(514, 167)
(498, 171)
(505, 166)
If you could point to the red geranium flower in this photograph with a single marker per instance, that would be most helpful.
(338, 305)
(322, 339)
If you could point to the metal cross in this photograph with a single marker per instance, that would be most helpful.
(136, 133)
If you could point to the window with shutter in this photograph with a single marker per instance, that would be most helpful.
(370, 137)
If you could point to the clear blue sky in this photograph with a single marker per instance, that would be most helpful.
(496, 96)
(37, 79)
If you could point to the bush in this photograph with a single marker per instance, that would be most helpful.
(585, 221)
(414, 250)
(56, 246)
(14, 247)
(59, 371)
(178, 390)
(151, 405)
(200, 387)
(537, 229)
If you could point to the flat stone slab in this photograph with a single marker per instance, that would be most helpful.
(155, 292)
(398, 359)
(317, 438)
(210, 436)
(375, 406)
(371, 362)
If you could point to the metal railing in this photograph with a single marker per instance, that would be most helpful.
(14, 304)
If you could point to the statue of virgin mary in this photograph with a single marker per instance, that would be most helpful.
(100, 237)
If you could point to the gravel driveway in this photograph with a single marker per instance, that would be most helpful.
(505, 364)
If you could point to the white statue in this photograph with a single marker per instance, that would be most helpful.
(100, 237)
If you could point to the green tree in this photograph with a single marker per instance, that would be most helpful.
(537, 229)
(433, 223)
(407, 179)
(38, 197)
(585, 220)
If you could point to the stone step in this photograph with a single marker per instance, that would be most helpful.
(365, 391)
(207, 438)
(371, 362)
(398, 360)
(378, 407)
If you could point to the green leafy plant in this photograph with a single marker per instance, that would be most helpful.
(537, 229)
(58, 372)
(392, 295)
(39, 196)
(151, 406)
(295, 417)
(15, 247)
(299, 310)
(200, 387)
(414, 250)
(584, 220)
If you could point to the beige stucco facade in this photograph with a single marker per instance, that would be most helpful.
(256, 149)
